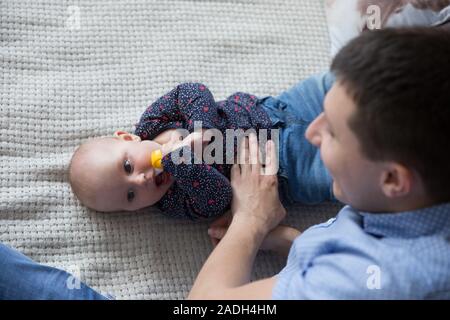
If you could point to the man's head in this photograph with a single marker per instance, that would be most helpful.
(112, 174)
(384, 135)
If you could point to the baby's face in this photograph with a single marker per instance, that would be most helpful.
(122, 176)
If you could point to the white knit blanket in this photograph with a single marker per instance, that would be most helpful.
(72, 70)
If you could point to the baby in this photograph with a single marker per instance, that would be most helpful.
(115, 173)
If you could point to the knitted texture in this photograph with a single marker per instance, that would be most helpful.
(73, 70)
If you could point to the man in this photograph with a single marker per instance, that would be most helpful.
(383, 136)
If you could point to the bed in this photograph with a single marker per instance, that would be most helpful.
(73, 70)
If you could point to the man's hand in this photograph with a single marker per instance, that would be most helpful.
(256, 210)
(255, 193)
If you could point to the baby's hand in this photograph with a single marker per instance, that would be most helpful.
(176, 141)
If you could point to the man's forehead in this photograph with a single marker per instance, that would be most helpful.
(339, 101)
(339, 108)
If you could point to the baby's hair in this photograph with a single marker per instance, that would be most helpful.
(81, 187)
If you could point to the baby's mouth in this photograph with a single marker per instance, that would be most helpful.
(161, 179)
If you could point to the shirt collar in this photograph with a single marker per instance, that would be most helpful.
(409, 224)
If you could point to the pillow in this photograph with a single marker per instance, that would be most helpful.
(348, 18)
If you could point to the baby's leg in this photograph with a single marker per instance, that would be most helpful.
(308, 181)
(305, 99)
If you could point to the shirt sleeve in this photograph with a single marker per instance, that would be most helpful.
(200, 191)
(334, 276)
(180, 108)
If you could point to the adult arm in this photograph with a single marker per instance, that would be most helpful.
(256, 210)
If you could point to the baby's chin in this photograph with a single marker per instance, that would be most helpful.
(158, 192)
(165, 183)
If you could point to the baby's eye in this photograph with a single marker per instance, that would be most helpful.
(130, 195)
(127, 166)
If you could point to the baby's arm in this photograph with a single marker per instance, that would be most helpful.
(200, 192)
(180, 108)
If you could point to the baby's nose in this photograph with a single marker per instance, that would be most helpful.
(145, 177)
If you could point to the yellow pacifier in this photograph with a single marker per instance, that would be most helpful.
(156, 159)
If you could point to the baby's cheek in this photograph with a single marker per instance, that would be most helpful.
(150, 198)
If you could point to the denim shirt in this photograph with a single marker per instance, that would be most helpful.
(361, 255)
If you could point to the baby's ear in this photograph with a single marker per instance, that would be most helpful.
(123, 135)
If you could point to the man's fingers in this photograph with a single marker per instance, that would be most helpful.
(271, 158)
(254, 153)
(243, 155)
(235, 172)
(243, 151)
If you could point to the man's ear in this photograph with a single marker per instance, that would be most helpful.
(396, 180)
(125, 136)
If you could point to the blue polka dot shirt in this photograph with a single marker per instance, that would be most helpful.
(200, 190)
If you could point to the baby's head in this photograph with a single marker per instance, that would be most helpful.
(114, 173)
